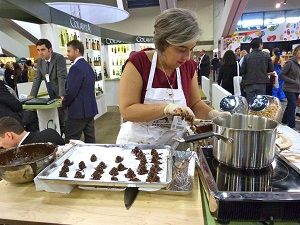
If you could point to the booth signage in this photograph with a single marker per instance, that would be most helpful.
(109, 41)
(75, 24)
(66, 20)
(144, 39)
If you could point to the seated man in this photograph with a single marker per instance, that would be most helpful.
(11, 106)
(12, 134)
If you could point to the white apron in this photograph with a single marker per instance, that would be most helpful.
(161, 131)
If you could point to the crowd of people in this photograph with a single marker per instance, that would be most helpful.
(259, 69)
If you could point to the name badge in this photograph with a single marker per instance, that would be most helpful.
(47, 78)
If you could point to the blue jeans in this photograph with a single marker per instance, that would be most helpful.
(290, 110)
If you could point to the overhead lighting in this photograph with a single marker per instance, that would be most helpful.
(277, 5)
(284, 2)
(93, 13)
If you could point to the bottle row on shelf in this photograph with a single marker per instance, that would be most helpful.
(118, 62)
(120, 49)
(95, 62)
(65, 37)
(92, 44)
(98, 75)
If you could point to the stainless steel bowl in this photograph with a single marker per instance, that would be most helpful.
(21, 164)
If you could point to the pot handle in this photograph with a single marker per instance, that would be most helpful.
(197, 137)
(201, 136)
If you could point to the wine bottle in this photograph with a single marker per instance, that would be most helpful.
(114, 72)
(67, 39)
(87, 57)
(98, 45)
(95, 72)
(86, 43)
(93, 45)
(75, 36)
(115, 50)
(61, 38)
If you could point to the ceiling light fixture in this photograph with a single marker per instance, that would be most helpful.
(93, 13)
(284, 1)
(277, 5)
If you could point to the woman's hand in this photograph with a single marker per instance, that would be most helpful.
(215, 113)
(176, 110)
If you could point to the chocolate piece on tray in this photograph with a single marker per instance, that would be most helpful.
(114, 178)
(119, 159)
(78, 174)
(121, 167)
(68, 162)
(114, 171)
(82, 165)
(94, 158)
(130, 173)
(96, 175)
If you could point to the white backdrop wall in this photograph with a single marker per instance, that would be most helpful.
(141, 21)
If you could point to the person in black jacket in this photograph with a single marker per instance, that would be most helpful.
(12, 134)
(227, 71)
(215, 62)
(255, 70)
(11, 106)
(204, 66)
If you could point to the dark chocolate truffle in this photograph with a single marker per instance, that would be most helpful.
(63, 174)
(68, 162)
(118, 159)
(78, 174)
(130, 173)
(114, 178)
(103, 165)
(114, 171)
(96, 175)
(121, 167)
(99, 169)
(134, 179)
(94, 158)
(65, 168)
(82, 165)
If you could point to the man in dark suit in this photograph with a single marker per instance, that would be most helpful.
(204, 65)
(11, 106)
(80, 98)
(12, 134)
(52, 68)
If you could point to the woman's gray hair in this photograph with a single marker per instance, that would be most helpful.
(176, 27)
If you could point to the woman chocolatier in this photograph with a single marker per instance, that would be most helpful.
(159, 87)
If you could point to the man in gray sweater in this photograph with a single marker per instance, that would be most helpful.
(255, 70)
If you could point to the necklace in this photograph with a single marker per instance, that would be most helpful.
(171, 86)
(171, 95)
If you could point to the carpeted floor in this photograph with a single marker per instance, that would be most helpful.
(107, 126)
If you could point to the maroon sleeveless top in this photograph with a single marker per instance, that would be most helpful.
(143, 64)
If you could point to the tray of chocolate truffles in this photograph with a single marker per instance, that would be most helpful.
(112, 166)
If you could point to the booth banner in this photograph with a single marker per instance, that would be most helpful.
(280, 32)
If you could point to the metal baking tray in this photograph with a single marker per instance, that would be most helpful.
(183, 179)
(107, 153)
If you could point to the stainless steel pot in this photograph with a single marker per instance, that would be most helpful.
(254, 141)
(242, 141)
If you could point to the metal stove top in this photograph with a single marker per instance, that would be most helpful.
(269, 194)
